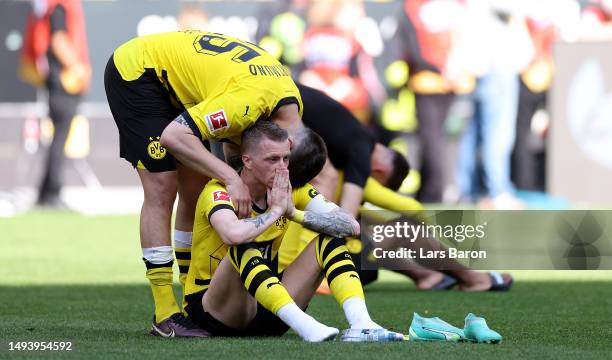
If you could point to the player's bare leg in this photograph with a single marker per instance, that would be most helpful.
(226, 298)
(155, 223)
(303, 276)
(424, 279)
(228, 301)
(159, 195)
(190, 185)
(468, 279)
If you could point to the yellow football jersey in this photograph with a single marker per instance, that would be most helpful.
(208, 249)
(225, 84)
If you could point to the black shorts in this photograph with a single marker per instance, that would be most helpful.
(142, 109)
(265, 322)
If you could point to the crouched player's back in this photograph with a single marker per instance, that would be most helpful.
(199, 67)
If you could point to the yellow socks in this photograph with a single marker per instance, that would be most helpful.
(335, 260)
(158, 261)
(258, 279)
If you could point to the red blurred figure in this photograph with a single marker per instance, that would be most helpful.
(55, 56)
(335, 60)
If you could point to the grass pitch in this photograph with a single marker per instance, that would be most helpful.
(67, 277)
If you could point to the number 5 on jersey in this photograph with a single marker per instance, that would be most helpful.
(218, 44)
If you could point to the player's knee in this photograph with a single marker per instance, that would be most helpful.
(188, 202)
(160, 191)
(162, 201)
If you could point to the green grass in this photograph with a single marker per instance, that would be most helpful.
(70, 277)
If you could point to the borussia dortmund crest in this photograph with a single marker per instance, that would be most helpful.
(155, 150)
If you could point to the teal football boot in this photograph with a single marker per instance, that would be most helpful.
(433, 329)
(476, 330)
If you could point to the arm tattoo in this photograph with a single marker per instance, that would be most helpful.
(181, 120)
(258, 220)
(337, 223)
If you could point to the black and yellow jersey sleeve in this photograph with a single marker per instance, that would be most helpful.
(207, 249)
(214, 197)
(308, 198)
(225, 84)
(303, 195)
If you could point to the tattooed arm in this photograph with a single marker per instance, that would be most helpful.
(234, 231)
(180, 140)
(337, 223)
(325, 217)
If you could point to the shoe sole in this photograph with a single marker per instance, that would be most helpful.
(489, 341)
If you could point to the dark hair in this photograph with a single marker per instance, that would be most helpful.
(308, 157)
(400, 171)
(252, 136)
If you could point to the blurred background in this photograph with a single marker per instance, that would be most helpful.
(499, 104)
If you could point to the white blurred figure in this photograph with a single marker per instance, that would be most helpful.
(492, 44)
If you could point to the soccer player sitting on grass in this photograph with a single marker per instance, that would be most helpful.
(233, 287)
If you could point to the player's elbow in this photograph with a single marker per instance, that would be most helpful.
(352, 230)
(233, 237)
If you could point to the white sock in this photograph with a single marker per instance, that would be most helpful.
(305, 325)
(357, 315)
(158, 254)
(182, 239)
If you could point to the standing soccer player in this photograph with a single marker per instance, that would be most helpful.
(169, 93)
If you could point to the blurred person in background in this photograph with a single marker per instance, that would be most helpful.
(192, 17)
(535, 81)
(427, 28)
(55, 57)
(335, 59)
(281, 31)
(596, 21)
(492, 44)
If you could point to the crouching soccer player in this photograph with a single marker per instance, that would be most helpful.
(233, 288)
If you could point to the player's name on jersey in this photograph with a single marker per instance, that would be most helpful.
(451, 253)
(269, 70)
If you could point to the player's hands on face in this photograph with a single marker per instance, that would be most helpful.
(277, 196)
(241, 197)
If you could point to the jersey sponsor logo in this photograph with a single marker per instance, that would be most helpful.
(313, 193)
(217, 121)
(220, 195)
(155, 150)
